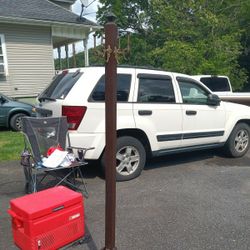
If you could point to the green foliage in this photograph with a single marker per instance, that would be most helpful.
(193, 37)
(244, 20)
(138, 55)
(93, 60)
(64, 64)
(130, 14)
(200, 37)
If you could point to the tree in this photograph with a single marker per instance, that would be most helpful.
(193, 37)
(130, 14)
(244, 59)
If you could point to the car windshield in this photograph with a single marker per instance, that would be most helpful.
(60, 85)
(6, 97)
(216, 83)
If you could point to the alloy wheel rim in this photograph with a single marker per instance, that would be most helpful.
(241, 141)
(19, 123)
(127, 160)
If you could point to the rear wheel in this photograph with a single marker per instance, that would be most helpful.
(130, 158)
(238, 142)
(16, 121)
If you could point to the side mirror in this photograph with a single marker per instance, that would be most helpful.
(2, 100)
(213, 100)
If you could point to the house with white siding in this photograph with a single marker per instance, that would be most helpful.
(29, 32)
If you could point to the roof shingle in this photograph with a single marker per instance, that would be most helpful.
(39, 10)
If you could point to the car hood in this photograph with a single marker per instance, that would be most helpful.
(20, 104)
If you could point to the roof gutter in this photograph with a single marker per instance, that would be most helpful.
(26, 21)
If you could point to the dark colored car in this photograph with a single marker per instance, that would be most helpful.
(12, 111)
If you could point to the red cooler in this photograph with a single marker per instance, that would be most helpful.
(48, 219)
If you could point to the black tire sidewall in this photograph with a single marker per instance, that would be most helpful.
(13, 121)
(128, 141)
(230, 144)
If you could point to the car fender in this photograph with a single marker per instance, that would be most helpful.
(235, 113)
(16, 111)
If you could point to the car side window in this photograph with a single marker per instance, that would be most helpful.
(192, 92)
(123, 88)
(215, 83)
(155, 89)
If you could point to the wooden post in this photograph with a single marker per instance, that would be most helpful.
(110, 116)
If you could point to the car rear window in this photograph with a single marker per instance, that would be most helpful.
(216, 83)
(61, 85)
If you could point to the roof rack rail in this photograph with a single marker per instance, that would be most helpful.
(130, 66)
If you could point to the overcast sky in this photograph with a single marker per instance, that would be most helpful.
(89, 12)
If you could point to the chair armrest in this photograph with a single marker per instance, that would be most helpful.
(80, 151)
(86, 149)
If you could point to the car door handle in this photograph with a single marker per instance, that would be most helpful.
(191, 112)
(145, 112)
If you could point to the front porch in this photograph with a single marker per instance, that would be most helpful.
(64, 41)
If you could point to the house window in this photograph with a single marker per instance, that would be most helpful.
(3, 57)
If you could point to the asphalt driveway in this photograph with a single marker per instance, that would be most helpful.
(185, 201)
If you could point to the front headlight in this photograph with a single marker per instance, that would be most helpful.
(34, 110)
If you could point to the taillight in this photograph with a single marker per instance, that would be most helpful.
(74, 115)
(65, 72)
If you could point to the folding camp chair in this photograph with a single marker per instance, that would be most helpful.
(42, 137)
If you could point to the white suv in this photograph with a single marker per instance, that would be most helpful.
(158, 113)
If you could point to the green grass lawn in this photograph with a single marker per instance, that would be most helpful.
(11, 145)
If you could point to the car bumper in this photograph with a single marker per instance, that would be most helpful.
(42, 112)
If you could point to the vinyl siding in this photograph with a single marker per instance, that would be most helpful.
(30, 59)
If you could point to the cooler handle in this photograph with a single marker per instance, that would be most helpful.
(18, 221)
(14, 215)
(58, 208)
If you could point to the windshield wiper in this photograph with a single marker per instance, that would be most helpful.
(43, 98)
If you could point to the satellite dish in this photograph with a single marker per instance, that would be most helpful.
(85, 2)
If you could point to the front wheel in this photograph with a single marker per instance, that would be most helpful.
(238, 142)
(130, 158)
(16, 121)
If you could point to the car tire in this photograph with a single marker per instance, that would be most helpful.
(238, 142)
(16, 121)
(130, 158)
